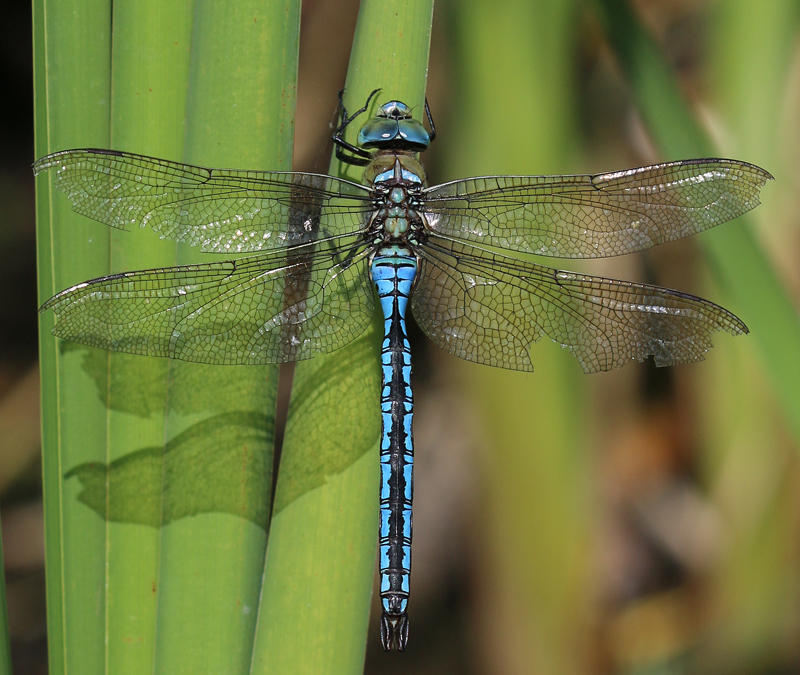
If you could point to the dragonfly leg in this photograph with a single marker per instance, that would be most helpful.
(357, 156)
(430, 121)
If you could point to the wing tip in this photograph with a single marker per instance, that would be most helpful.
(56, 158)
(761, 175)
(741, 328)
(58, 297)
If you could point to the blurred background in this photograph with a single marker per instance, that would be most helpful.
(640, 521)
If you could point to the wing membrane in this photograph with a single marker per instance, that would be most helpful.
(489, 308)
(595, 216)
(261, 309)
(222, 211)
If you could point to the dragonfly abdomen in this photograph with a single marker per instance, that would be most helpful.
(393, 271)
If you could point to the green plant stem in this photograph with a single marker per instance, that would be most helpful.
(322, 545)
(533, 523)
(72, 87)
(146, 573)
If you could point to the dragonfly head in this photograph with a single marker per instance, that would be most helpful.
(393, 128)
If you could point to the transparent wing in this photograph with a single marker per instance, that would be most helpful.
(595, 216)
(261, 309)
(222, 211)
(489, 308)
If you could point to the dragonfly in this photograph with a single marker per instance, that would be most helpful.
(324, 248)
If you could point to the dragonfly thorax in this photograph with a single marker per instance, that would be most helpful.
(397, 182)
(382, 169)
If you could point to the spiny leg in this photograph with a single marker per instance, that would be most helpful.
(357, 156)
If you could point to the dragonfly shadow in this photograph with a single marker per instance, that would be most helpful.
(341, 389)
(224, 463)
(194, 388)
(215, 466)
(145, 394)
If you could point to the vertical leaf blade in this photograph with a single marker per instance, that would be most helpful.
(318, 579)
(5, 643)
(240, 114)
(150, 71)
(148, 513)
(72, 88)
(516, 117)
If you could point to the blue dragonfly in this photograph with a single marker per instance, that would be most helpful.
(324, 244)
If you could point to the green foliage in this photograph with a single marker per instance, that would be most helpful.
(321, 615)
(738, 259)
(161, 550)
(536, 467)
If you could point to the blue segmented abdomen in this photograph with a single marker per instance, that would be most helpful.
(393, 271)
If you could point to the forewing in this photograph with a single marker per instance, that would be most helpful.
(255, 310)
(222, 211)
(595, 216)
(490, 308)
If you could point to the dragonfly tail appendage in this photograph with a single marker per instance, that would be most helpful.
(393, 271)
(394, 631)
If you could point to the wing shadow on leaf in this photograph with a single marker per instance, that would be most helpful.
(214, 466)
(220, 465)
(194, 387)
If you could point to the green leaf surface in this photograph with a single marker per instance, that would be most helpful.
(240, 114)
(515, 69)
(157, 474)
(202, 466)
(72, 86)
(321, 556)
(149, 73)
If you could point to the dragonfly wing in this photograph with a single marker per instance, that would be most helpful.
(222, 211)
(489, 308)
(595, 216)
(261, 309)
